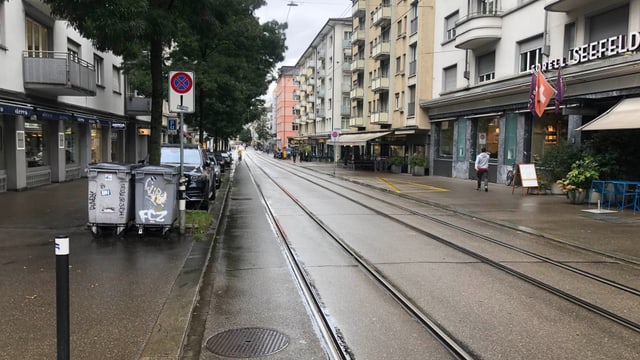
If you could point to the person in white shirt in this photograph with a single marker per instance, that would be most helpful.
(482, 169)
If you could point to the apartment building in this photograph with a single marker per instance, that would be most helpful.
(484, 53)
(62, 102)
(324, 78)
(286, 85)
(391, 69)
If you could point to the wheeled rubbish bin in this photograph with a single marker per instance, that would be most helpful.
(110, 197)
(156, 197)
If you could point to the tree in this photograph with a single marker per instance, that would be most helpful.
(262, 129)
(220, 40)
(245, 136)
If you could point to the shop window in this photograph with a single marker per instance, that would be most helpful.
(35, 149)
(488, 136)
(510, 138)
(462, 139)
(71, 144)
(445, 143)
(96, 143)
(547, 131)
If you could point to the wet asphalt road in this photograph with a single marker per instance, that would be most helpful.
(117, 286)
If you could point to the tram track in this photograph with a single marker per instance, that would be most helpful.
(336, 346)
(585, 304)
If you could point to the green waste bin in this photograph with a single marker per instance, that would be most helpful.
(156, 197)
(110, 196)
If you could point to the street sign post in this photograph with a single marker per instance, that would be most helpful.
(181, 90)
(335, 135)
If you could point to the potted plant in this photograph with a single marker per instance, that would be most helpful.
(556, 163)
(396, 164)
(418, 163)
(577, 181)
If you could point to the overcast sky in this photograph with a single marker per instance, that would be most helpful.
(305, 21)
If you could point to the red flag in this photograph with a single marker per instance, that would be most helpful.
(544, 93)
(559, 90)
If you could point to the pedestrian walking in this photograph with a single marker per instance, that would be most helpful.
(482, 169)
(295, 155)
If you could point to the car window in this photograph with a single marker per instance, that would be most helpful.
(170, 155)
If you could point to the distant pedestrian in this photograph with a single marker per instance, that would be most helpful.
(294, 155)
(482, 169)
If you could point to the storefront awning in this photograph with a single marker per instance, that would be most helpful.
(624, 115)
(15, 109)
(360, 138)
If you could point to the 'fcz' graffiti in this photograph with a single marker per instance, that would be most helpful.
(156, 196)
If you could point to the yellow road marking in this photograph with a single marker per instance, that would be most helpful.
(423, 186)
(390, 185)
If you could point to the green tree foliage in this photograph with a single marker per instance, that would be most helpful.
(230, 52)
(262, 129)
(245, 136)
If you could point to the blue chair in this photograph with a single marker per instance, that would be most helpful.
(625, 194)
(606, 193)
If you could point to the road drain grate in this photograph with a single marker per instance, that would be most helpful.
(247, 342)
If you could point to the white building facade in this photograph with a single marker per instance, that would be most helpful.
(484, 52)
(62, 102)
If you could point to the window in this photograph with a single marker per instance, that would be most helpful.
(530, 53)
(450, 26)
(569, 38)
(71, 142)
(486, 67)
(2, 26)
(347, 35)
(37, 37)
(36, 152)
(450, 78)
(488, 136)
(411, 106)
(401, 30)
(611, 23)
(73, 49)
(445, 141)
(398, 65)
(98, 63)
(413, 55)
(116, 84)
(414, 18)
(487, 7)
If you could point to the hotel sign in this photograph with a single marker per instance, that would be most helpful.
(608, 47)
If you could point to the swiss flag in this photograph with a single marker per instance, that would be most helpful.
(544, 93)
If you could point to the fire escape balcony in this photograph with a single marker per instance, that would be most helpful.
(382, 16)
(477, 30)
(381, 50)
(53, 73)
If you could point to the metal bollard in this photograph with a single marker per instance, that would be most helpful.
(182, 203)
(62, 296)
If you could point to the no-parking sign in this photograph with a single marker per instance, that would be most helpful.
(335, 134)
(181, 84)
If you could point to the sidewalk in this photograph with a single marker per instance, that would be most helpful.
(552, 216)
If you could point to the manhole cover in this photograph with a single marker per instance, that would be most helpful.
(247, 342)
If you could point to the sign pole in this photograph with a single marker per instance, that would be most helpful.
(182, 188)
(62, 296)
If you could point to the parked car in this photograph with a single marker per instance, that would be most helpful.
(226, 158)
(217, 169)
(200, 187)
(219, 159)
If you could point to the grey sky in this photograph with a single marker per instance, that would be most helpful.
(305, 21)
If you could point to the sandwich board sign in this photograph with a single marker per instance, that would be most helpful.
(181, 90)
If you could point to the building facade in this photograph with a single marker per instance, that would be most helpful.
(324, 80)
(485, 51)
(62, 102)
(285, 128)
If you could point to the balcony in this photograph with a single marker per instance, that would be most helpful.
(566, 5)
(382, 16)
(321, 54)
(136, 105)
(381, 51)
(359, 8)
(379, 118)
(310, 89)
(478, 30)
(357, 37)
(58, 74)
(346, 66)
(357, 93)
(380, 84)
(320, 93)
(321, 73)
(345, 87)
(308, 72)
(345, 110)
(357, 121)
(357, 65)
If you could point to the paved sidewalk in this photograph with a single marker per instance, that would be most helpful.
(616, 233)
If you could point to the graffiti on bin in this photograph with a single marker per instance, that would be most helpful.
(157, 195)
(122, 199)
(92, 200)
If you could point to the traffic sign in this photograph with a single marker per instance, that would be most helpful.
(172, 124)
(181, 84)
(335, 134)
